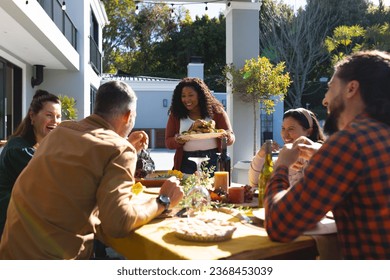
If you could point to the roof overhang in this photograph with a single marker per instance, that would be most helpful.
(28, 34)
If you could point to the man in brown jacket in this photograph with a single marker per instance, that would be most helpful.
(78, 184)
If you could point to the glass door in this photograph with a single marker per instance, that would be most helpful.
(3, 102)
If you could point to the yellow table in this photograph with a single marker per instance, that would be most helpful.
(156, 241)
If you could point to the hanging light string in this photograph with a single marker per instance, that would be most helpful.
(180, 4)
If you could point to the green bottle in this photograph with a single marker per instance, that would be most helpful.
(266, 171)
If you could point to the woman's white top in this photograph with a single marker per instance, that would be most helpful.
(257, 165)
(196, 145)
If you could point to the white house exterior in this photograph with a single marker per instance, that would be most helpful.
(62, 51)
(67, 41)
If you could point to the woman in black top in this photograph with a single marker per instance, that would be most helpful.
(43, 116)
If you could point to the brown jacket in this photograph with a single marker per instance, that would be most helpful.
(78, 168)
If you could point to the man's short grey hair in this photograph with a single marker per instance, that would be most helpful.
(113, 99)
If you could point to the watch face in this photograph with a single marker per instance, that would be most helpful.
(165, 199)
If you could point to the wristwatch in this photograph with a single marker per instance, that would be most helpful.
(164, 200)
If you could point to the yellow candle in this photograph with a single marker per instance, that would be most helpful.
(221, 180)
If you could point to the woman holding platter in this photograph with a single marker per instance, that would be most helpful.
(195, 111)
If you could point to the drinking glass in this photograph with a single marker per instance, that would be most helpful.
(198, 198)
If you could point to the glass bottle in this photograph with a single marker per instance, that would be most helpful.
(266, 171)
(224, 161)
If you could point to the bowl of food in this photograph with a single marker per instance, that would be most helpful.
(158, 177)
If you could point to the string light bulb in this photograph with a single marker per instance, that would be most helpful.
(172, 11)
(26, 2)
(206, 8)
(229, 4)
(63, 7)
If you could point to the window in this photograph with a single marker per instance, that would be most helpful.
(92, 97)
(266, 128)
(10, 98)
(95, 55)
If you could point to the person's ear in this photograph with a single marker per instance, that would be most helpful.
(127, 116)
(353, 88)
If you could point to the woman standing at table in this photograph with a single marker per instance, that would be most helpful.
(297, 123)
(43, 116)
(192, 101)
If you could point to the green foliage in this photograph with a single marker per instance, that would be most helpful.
(68, 107)
(192, 180)
(155, 43)
(378, 37)
(349, 39)
(259, 81)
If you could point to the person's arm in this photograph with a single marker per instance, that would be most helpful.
(171, 132)
(255, 168)
(222, 122)
(327, 179)
(119, 211)
(16, 158)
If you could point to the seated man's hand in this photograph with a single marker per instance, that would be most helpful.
(307, 147)
(139, 139)
(173, 190)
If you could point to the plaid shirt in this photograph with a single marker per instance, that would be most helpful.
(349, 175)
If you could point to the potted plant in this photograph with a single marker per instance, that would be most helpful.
(259, 81)
(68, 107)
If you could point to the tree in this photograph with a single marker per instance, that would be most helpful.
(206, 38)
(259, 81)
(348, 39)
(156, 43)
(295, 39)
(345, 40)
(118, 36)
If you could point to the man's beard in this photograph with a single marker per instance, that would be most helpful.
(331, 122)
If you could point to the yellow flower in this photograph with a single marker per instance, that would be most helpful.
(176, 173)
(137, 188)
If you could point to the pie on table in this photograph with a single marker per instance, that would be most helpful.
(203, 230)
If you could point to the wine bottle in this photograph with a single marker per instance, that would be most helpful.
(266, 171)
(223, 162)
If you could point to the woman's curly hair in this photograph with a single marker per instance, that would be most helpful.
(208, 103)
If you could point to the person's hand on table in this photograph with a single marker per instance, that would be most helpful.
(173, 190)
(139, 139)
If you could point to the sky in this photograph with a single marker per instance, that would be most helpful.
(215, 8)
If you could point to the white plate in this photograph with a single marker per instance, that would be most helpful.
(325, 226)
(201, 136)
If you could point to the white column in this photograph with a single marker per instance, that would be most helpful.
(242, 43)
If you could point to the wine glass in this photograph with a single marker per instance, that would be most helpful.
(198, 198)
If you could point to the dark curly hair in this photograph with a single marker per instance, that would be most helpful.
(372, 70)
(208, 103)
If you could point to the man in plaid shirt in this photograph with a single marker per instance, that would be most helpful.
(350, 173)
